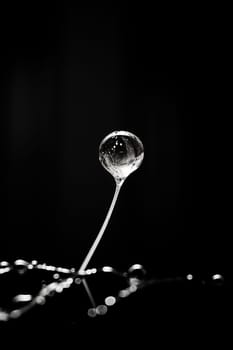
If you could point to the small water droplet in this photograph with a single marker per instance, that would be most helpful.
(15, 314)
(22, 298)
(189, 277)
(109, 301)
(217, 279)
(124, 293)
(91, 312)
(107, 269)
(40, 300)
(136, 271)
(21, 266)
(34, 262)
(4, 316)
(77, 280)
(59, 288)
(101, 309)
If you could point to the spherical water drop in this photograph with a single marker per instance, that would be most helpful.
(136, 271)
(121, 153)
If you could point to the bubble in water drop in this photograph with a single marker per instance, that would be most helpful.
(121, 153)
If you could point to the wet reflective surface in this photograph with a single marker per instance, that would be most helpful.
(129, 306)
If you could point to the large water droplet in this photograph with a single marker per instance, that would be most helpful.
(121, 153)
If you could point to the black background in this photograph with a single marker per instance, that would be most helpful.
(73, 74)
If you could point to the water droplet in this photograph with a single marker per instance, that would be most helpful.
(21, 262)
(59, 288)
(107, 269)
(4, 270)
(78, 280)
(22, 298)
(40, 300)
(109, 301)
(121, 153)
(217, 276)
(189, 277)
(4, 316)
(124, 293)
(136, 271)
(15, 313)
(217, 279)
(91, 312)
(21, 266)
(101, 309)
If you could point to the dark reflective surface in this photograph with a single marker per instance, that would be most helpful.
(185, 307)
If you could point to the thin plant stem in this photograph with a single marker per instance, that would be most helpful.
(102, 230)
